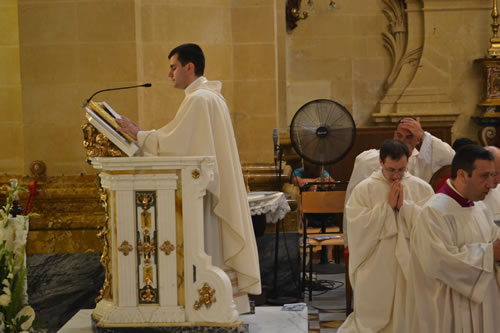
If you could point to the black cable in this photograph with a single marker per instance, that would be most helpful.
(289, 258)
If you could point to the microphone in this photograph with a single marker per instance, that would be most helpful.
(275, 142)
(146, 85)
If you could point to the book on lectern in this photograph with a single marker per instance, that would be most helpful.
(102, 116)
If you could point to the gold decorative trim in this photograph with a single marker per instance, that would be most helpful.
(179, 240)
(148, 295)
(105, 291)
(139, 172)
(97, 144)
(146, 248)
(145, 200)
(38, 168)
(167, 247)
(125, 248)
(195, 173)
(206, 297)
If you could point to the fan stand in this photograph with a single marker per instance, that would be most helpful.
(274, 299)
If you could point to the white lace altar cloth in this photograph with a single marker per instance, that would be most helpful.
(272, 204)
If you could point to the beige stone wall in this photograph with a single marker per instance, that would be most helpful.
(240, 45)
(69, 49)
(339, 54)
(11, 120)
(65, 50)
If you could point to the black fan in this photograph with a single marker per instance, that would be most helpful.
(322, 132)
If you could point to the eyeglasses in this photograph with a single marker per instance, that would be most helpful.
(392, 171)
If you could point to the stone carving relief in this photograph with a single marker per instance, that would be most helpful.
(405, 94)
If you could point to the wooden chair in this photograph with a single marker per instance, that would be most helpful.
(439, 177)
(330, 202)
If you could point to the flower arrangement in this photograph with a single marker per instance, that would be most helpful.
(15, 313)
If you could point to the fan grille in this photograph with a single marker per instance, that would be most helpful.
(322, 131)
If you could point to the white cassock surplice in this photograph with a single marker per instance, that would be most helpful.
(455, 281)
(202, 127)
(433, 155)
(379, 253)
(492, 202)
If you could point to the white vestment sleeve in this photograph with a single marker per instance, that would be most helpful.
(366, 226)
(364, 164)
(467, 269)
(435, 152)
(148, 142)
(406, 220)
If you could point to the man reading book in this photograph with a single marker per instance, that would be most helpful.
(202, 127)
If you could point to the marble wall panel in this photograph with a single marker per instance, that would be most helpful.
(59, 285)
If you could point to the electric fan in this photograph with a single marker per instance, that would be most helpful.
(322, 132)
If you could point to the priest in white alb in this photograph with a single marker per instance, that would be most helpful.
(455, 249)
(380, 216)
(202, 127)
(433, 155)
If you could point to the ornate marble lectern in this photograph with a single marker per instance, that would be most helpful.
(157, 272)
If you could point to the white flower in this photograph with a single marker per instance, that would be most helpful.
(4, 300)
(30, 313)
(6, 290)
(5, 282)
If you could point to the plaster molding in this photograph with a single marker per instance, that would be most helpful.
(412, 59)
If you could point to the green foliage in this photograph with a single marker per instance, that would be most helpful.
(15, 314)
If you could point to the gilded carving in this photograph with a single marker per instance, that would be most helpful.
(145, 200)
(105, 291)
(148, 295)
(196, 174)
(207, 297)
(125, 248)
(147, 247)
(146, 219)
(147, 273)
(167, 247)
(97, 144)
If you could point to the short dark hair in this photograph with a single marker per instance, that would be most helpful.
(466, 157)
(460, 142)
(190, 52)
(395, 149)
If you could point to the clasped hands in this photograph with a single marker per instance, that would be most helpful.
(396, 196)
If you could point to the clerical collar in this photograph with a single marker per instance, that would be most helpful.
(450, 191)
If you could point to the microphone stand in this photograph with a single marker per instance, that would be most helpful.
(278, 300)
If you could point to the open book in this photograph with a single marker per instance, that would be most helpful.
(102, 116)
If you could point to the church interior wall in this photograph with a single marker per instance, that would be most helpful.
(11, 122)
(339, 53)
(54, 54)
(57, 53)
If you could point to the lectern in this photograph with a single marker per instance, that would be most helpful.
(157, 272)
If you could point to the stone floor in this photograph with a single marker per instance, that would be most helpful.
(265, 320)
(326, 312)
